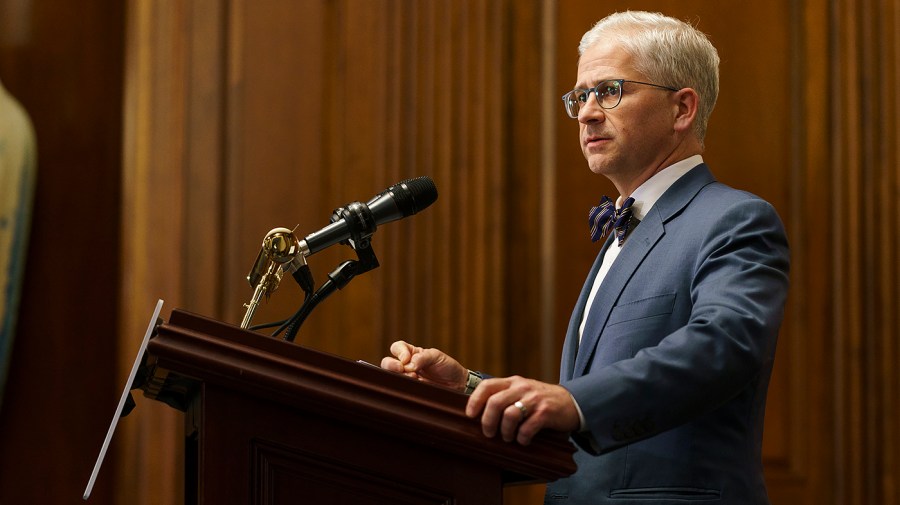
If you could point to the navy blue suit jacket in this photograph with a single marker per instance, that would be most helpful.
(677, 351)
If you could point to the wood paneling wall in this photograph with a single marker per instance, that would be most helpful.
(234, 117)
(863, 178)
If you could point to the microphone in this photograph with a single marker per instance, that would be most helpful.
(282, 253)
(359, 220)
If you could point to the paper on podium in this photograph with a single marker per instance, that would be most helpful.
(117, 414)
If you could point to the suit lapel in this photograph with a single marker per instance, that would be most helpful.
(570, 346)
(639, 244)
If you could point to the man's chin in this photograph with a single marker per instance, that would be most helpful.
(598, 167)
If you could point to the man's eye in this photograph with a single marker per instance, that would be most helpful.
(609, 90)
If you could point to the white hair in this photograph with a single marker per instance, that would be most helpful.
(667, 51)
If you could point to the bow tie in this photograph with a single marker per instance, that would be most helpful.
(605, 216)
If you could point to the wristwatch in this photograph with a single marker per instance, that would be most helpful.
(473, 381)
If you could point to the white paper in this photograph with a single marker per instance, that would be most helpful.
(117, 413)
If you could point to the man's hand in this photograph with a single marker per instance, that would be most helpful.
(427, 365)
(542, 406)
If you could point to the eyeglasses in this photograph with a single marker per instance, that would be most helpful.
(608, 93)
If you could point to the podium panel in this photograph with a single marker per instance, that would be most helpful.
(271, 422)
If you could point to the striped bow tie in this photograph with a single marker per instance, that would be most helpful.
(605, 216)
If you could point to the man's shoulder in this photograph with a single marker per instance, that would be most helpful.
(720, 193)
(698, 192)
(720, 206)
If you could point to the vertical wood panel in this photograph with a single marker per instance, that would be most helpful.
(863, 151)
(845, 182)
(530, 225)
(888, 148)
(809, 475)
(204, 157)
(149, 442)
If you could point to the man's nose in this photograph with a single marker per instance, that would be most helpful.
(590, 111)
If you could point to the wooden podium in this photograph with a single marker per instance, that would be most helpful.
(271, 422)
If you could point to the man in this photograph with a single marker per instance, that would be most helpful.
(669, 351)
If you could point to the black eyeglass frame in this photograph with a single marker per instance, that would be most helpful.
(567, 98)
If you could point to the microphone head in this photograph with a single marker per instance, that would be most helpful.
(403, 199)
(396, 202)
(414, 195)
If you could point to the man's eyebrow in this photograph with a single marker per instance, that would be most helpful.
(591, 83)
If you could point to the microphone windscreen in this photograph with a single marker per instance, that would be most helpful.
(414, 195)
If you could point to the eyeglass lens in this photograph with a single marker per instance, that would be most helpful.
(608, 94)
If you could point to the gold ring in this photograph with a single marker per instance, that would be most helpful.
(521, 406)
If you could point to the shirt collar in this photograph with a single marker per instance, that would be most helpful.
(646, 195)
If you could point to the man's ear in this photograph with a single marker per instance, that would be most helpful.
(687, 102)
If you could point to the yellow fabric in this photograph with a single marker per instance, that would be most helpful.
(17, 180)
